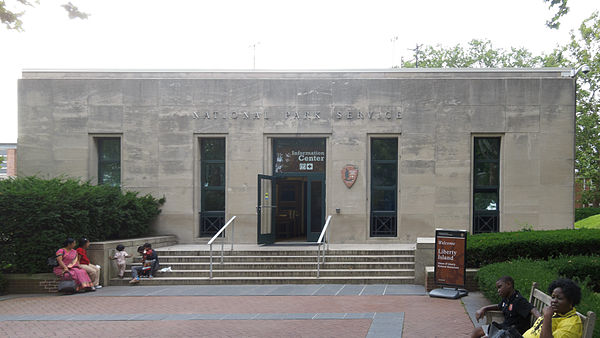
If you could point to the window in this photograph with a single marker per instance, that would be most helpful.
(3, 162)
(109, 161)
(486, 183)
(212, 171)
(384, 183)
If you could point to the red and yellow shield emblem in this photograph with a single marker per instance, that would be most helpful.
(349, 175)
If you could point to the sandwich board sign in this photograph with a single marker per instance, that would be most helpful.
(450, 263)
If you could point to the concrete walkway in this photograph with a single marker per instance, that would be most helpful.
(239, 311)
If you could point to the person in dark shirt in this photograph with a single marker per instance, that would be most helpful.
(516, 309)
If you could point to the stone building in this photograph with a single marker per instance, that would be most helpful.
(8, 162)
(391, 155)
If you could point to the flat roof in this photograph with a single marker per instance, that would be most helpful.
(404, 73)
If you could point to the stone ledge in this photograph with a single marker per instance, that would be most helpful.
(100, 252)
(31, 283)
(471, 281)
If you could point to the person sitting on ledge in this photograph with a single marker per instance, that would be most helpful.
(516, 309)
(68, 264)
(560, 319)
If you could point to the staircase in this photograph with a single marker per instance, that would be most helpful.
(282, 266)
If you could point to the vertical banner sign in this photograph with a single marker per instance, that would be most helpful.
(450, 262)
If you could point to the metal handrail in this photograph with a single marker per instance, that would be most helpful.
(325, 234)
(210, 243)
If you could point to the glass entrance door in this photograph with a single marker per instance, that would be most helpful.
(300, 162)
(265, 209)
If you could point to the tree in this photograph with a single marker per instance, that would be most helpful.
(10, 15)
(477, 54)
(562, 9)
(584, 49)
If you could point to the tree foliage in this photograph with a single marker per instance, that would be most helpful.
(11, 12)
(584, 49)
(561, 10)
(477, 54)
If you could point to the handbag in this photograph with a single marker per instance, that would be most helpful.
(497, 331)
(67, 285)
(52, 261)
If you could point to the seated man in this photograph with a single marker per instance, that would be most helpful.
(515, 308)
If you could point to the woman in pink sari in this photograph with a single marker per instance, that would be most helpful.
(67, 263)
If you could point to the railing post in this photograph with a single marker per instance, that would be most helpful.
(210, 274)
(318, 260)
(232, 229)
(323, 237)
(210, 243)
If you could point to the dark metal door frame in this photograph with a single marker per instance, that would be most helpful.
(265, 238)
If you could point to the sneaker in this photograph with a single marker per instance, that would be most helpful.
(135, 280)
(98, 286)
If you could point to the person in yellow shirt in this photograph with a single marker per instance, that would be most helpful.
(560, 319)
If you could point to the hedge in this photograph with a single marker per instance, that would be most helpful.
(484, 249)
(37, 215)
(582, 213)
(525, 271)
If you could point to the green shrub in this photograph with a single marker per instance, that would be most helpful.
(581, 213)
(37, 215)
(483, 249)
(525, 271)
(581, 267)
(2, 284)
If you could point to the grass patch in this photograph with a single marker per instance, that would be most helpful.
(592, 222)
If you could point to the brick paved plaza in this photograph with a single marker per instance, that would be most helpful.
(237, 311)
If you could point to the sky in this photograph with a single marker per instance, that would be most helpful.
(307, 34)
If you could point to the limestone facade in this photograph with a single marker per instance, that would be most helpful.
(160, 117)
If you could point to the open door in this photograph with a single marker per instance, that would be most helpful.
(265, 209)
(316, 207)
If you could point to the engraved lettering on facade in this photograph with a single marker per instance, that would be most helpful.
(306, 115)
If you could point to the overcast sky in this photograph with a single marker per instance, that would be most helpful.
(307, 34)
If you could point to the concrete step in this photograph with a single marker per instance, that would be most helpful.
(284, 265)
(307, 252)
(291, 258)
(286, 273)
(267, 280)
